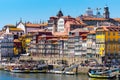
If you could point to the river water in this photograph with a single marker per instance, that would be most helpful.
(42, 76)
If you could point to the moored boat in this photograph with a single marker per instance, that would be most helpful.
(27, 71)
(99, 74)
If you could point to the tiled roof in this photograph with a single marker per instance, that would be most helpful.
(90, 26)
(98, 19)
(117, 19)
(39, 30)
(79, 30)
(108, 28)
(75, 22)
(60, 33)
(35, 25)
(92, 32)
(15, 29)
(16, 40)
(84, 35)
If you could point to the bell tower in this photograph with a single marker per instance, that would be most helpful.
(106, 13)
(60, 13)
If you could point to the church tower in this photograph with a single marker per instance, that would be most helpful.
(106, 13)
(60, 14)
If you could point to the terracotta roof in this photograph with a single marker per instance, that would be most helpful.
(16, 40)
(15, 29)
(79, 30)
(92, 32)
(35, 25)
(75, 22)
(90, 26)
(60, 33)
(108, 28)
(117, 19)
(88, 18)
(39, 30)
(54, 39)
(83, 34)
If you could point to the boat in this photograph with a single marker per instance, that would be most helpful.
(39, 69)
(27, 71)
(98, 73)
(69, 73)
(61, 70)
(56, 71)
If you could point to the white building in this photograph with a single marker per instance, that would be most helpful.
(91, 44)
(7, 45)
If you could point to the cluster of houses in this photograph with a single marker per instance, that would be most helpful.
(86, 35)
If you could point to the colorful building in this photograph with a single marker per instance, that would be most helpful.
(108, 42)
(7, 45)
(91, 44)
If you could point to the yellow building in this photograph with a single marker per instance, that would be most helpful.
(100, 41)
(108, 42)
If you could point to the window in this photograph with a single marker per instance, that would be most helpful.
(108, 33)
(113, 33)
(114, 40)
(108, 39)
(119, 33)
(119, 40)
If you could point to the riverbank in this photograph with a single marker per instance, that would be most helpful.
(80, 70)
(54, 59)
(60, 60)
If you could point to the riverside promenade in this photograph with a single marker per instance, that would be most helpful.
(70, 61)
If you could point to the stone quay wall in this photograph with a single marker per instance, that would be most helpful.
(54, 59)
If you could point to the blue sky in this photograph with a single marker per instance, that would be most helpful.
(36, 10)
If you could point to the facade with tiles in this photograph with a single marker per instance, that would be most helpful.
(7, 45)
(107, 41)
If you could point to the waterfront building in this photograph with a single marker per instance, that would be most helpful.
(7, 45)
(100, 42)
(107, 41)
(91, 43)
(77, 44)
(17, 47)
(71, 45)
(1, 38)
(48, 45)
(38, 42)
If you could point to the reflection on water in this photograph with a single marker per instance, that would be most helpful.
(41, 76)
